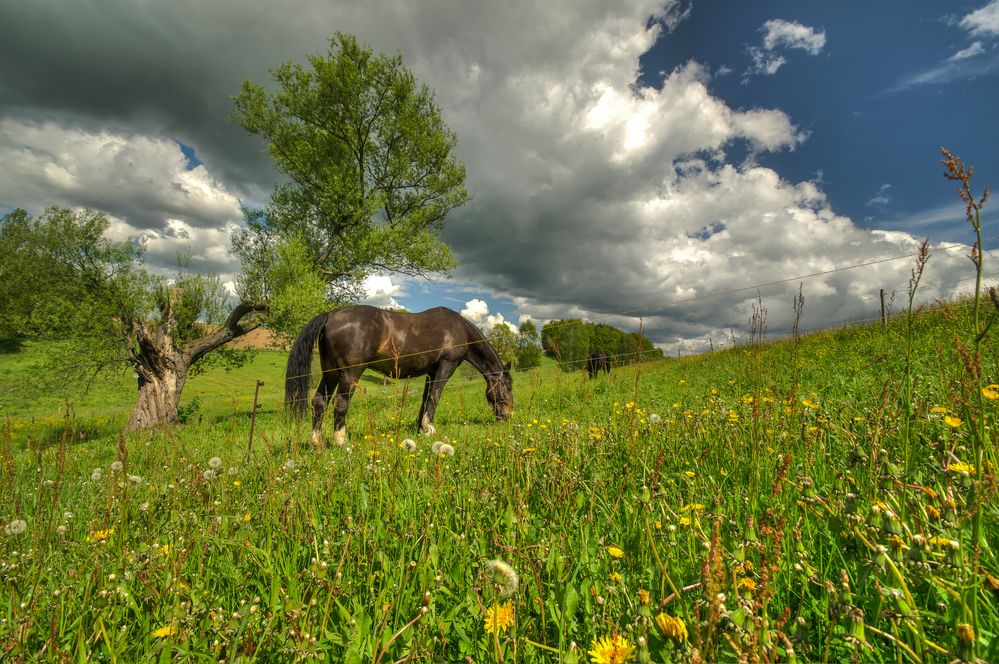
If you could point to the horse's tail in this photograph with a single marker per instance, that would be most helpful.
(299, 372)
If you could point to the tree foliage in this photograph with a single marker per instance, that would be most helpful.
(528, 346)
(370, 165)
(570, 342)
(504, 341)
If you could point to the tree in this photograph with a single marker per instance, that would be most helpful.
(371, 177)
(528, 347)
(504, 341)
(371, 170)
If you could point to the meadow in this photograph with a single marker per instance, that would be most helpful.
(828, 497)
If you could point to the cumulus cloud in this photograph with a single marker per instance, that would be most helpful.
(141, 182)
(593, 196)
(781, 34)
(381, 291)
(477, 311)
(983, 22)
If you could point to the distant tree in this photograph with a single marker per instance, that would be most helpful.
(568, 341)
(371, 177)
(528, 346)
(504, 341)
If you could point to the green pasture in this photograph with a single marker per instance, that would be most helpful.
(829, 498)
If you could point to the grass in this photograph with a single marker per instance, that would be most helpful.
(743, 504)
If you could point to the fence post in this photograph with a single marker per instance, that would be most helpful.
(884, 313)
(253, 417)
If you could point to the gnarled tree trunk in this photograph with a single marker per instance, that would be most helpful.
(162, 367)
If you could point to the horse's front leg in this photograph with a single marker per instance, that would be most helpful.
(422, 423)
(432, 394)
(341, 402)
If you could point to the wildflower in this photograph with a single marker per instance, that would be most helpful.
(933, 512)
(615, 551)
(165, 550)
(236, 483)
(100, 535)
(966, 641)
(215, 463)
(952, 421)
(117, 466)
(990, 392)
(208, 474)
(15, 527)
(246, 517)
(409, 445)
(961, 467)
(503, 576)
(629, 405)
(643, 596)
(613, 649)
(938, 410)
(165, 631)
(689, 473)
(96, 475)
(527, 450)
(289, 464)
(747, 584)
(615, 577)
(436, 447)
(499, 618)
(809, 404)
(61, 530)
(684, 520)
(672, 628)
(135, 479)
(691, 506)
(654, 418)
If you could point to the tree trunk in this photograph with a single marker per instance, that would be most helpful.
(162, 368)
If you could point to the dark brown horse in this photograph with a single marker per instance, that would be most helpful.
(398, 345)
(597, 362)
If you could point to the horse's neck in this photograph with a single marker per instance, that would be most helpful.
(481, 356)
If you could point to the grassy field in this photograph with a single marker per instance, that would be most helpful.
(823, 499)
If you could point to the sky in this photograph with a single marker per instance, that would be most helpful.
(663, 164)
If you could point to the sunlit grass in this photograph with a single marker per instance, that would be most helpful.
(622, 506)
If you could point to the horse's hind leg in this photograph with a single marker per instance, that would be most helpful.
(319, 402)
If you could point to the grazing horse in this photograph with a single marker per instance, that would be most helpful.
(397, 345)
(597, 362)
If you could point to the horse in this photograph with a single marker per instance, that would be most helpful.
(398, 345)
(596, 362)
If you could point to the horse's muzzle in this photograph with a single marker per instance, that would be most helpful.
(503, 412)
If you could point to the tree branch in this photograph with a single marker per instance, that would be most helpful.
(230, 330)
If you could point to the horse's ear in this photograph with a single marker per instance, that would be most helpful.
(506, 367)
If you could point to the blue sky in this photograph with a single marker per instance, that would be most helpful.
(629, 161)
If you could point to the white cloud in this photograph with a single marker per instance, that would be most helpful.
(791, 34)
(381, 291)
(970, 52)
(142, 182)
(880, 198)
(779, 33)
(477, 311)
(984, 21)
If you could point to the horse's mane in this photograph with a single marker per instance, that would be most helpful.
(478, 336)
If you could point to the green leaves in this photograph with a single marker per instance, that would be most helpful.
(370, 163)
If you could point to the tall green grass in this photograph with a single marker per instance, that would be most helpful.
(623, 504)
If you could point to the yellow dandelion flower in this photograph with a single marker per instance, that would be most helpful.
(684, 520)
(933, 512)
(246, 517)
(930, 493)
(615, 577)
(165, 550)
(747, 584)
(165, 631)
(100, 535)
(807, 403)
(528, 450)
(747, 398)
(689, 473)
(613, 649)
(615, 551)
(629, 405)
(961, 467)
(965, 633)
(952, 421)
(659, 524)
(499, 618)
(990, 393)
(236, 483)
(938, 410)
(691, 506)
(672, 627)
(643, 596)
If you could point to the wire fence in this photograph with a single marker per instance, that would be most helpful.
(622, 358)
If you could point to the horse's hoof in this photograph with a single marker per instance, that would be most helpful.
(429, 430)
(318, 440)
(340, 437)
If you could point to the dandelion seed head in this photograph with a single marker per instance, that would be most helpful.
(15, 527)
(117, 466)
(96, 475)
(504, 576)
(409, 445)
(215, 463)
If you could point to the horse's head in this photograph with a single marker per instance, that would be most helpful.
(499, 393)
